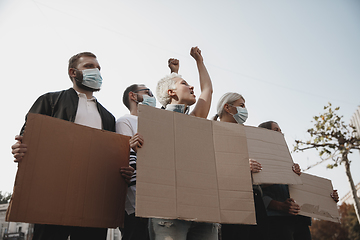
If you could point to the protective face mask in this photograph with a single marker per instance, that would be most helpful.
(241, 115)
(92, 78)
(150, 101)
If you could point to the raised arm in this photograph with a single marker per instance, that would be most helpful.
(203, 104)
(174, 65)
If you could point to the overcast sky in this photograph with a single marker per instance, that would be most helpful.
(287, 58)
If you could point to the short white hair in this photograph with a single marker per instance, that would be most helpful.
(166, 83)
(228, 98)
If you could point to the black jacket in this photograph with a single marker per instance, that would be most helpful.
(63, 105)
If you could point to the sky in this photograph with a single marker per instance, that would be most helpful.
(287, 58)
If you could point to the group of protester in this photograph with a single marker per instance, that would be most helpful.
(276, 213)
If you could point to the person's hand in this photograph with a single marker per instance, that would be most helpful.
(195, 52)
(296, 169)
(289, 206)
(255, 166)
(174, 65)
(136, 141)
(18, 149)
(334, 195)
(126, 173)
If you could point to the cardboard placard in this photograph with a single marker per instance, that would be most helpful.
(192, 169)
(313, 196)
(269, 148)
(70, 175)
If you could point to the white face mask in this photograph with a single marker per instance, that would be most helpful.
(241, 115)
(92, 78)
(147, 100)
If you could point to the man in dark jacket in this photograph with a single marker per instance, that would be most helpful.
(78, 105)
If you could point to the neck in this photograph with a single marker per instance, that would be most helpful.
(89, 94)
(178, 103)
(227, 118)
(134, 111)
(134, 108)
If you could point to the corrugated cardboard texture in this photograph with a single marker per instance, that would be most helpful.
(270, 149)
(70, 175)
(193, 169)
(314, 198)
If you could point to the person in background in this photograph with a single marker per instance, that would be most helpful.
(76, 104)
(135, 228)
(283, 220)
(231, 108)
(175, 94)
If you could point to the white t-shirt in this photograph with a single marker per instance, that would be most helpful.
(127, 125)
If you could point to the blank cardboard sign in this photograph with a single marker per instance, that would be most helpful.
(192, 169)
(270, 149)
(313, 196)
(70, 175)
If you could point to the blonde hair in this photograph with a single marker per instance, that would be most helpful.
(166, 83)
(228, 98)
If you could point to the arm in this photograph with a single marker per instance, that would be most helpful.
(203, 104)
(276, 197)
(42, 106)
(174, 65)
(123, 126)
(289, 206)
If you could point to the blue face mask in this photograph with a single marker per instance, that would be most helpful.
(92, 78)
(241, 115)
(147, 100)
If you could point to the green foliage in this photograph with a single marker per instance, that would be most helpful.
(331, 137)
(4, 198)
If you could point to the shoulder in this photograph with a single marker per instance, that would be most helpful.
(127, 125)
(51, 96)
(126, 118)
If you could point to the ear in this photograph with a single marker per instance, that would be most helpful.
(133, 96)
(72, 72)
(171, 92)
(227, 108)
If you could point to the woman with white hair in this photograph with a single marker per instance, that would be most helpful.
(231, 108)
(175, 94)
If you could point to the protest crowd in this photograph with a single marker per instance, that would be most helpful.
(278, 215)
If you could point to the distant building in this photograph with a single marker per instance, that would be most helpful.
(348, 199)
(355, 121)
(24, 231)
(12, 230)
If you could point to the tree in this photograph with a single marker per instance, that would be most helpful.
(334, 140)
(4, 198)
(350, 222)
(347, 229)
(325, 230)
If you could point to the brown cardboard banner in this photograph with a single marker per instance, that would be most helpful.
(270, 149)
(313, 196)
(70, 175)
(193, 169)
